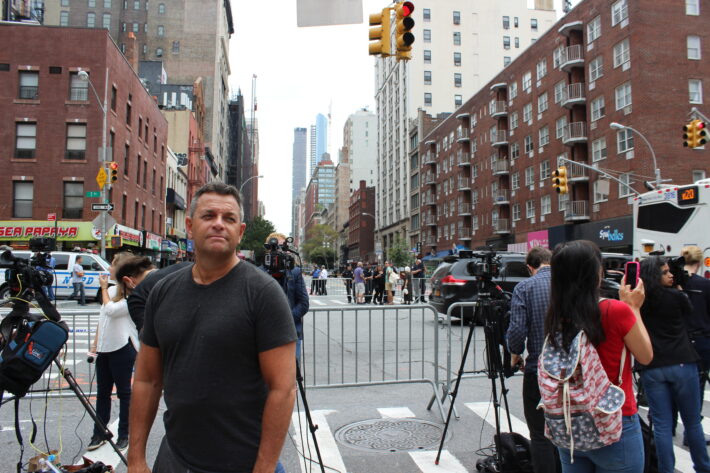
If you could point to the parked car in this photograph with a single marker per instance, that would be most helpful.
(451, 282)
(93, 266)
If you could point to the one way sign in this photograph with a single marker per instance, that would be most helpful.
(105, 207)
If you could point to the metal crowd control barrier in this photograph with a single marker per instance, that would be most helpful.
(368, 346)
(338, 286)
(82, 326)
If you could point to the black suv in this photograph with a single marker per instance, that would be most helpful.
(451, 282)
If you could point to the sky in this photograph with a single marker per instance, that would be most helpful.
(300, 72)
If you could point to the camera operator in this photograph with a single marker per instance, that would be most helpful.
(531, 299)
(293, 284)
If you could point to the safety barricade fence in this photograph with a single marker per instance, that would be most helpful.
(368, 346)
(82, 328)
(343, 287)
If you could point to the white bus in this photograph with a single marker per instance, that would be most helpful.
(667, 219)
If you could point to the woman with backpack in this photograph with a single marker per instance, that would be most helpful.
(671, 379)
(598, 333)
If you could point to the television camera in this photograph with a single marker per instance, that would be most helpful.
(279, 257)
(23, 274)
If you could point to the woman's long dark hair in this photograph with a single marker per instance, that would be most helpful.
(651, 274)
(132, 266)
(574, 296)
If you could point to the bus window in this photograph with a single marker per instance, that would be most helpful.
(663, 217)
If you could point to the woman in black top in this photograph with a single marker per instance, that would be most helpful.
(671, 377)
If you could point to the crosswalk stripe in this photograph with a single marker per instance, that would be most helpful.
(317, 302)
(396, 412)
(330, 453)
(485, 411)
(447, 463)
(105, 453)
(340, 302)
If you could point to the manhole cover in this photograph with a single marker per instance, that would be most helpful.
(391, 435)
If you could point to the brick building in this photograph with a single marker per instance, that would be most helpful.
(52, 137)
(361, 226)
(485, 171)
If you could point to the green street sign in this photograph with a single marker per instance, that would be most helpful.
(93, 193)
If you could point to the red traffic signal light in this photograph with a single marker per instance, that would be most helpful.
(404, 37)
(695, 134)
(113, 171)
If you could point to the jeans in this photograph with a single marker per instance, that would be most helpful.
(664, 387)
(545, 458)
(115, 367)
(78, 288)
(626, 455)
(166, 462)
(702, 346)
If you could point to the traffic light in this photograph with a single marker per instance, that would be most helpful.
(113, 171)
(695, 134)
(404, 24)
(380, 34)
(559, 180)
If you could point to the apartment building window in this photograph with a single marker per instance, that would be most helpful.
(545, 205)
(621, 53)
(457, 59)
(697, 175)
(695, 90)
(22, 195)
(427, 77)
(106, 21)
(107, 3)
(562, 200)
(598, 108)
(78, 88)
(143, 216)
(136, 27)
(25, 140)
(506, 42)
(527, 81)
(692, 7)
(73, 200)
(513, 90)
(541, 68)
(161, 9)
(515, 21)
(560, 126)
(559, 90)
(161, 30)
(123, 48)
(427, 56)
(457, 79)
(65, 3)
(544, 135)
(542, 102)
(515, 181)
(92, 3)
(457, 17)
(624, 141)
(619, 12)
(515, 151)
(114, 96)
(529, 144)
(601, 190)
(516, 212)
(126, 159)
(145, 27)
(145, 174)
(427, 36)
(599, 149)
(594, 29)
(527, 113)
(123, 26)
(517, 42)
(544, 170)
(694, 47)
(29, 85)
(176, 47)
(159, 52)
(557, 56)
(513, 120)
(506, 61)
(64, 18)
(136, 5)
(596, 68)
(530, 209)
(91, 20)
(623, 95)
(76, 141)
(427, 98)
(625, 189)
(506, 22)
(140, 127)
(457, 38)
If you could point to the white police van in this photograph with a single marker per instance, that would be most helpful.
(93, 266)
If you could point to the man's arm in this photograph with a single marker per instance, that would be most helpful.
(147, 388)
(302, 302)
(517, 330)
(278, 369)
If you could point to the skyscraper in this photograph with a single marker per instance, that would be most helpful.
(299, 162)
(319, 141)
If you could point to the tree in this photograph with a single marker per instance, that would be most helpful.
(319, 245)
(399, 253)
(255, 235)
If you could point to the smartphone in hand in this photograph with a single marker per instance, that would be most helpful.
(631, 272)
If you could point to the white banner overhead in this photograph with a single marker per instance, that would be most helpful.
(329, 12)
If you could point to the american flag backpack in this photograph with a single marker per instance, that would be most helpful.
(582, 407)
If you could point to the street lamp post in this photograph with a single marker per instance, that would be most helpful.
(84, 76)
(244, 183)
(657, 170)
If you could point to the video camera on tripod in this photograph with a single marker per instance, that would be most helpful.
(22, 274)
(279, 257)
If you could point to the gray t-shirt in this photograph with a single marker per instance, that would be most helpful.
(209, 338)
(75, 278)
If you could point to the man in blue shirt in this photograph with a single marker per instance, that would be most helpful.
(527, 322)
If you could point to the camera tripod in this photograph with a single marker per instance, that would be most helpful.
(491, 313)
(19, 311)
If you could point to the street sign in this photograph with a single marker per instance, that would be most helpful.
(105, 207)
(93, 193)
(52, 217)
(101, 177)
(110, 222)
